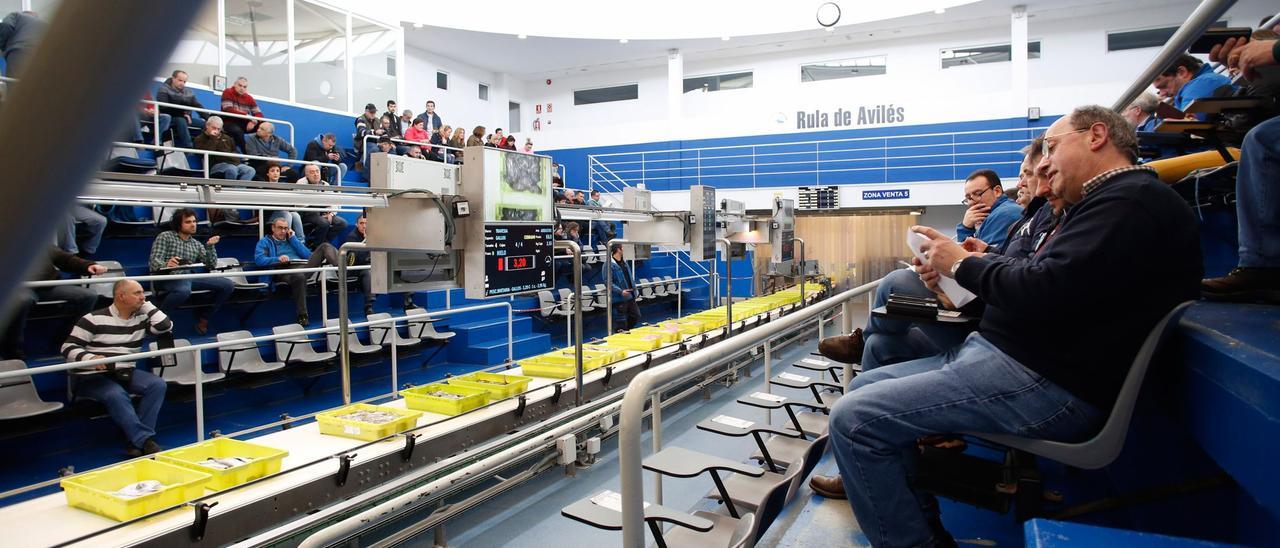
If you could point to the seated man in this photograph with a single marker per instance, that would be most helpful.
(265, 142)
(325, 149)
(355, 258)
(1015, 376)
(1257, 274)
(990, 212)
(226, 167)
(96, 224)
(174, 91)
(177, 247)
(1141, 113)
(888, 340)
(624, 291)
(325, 225)
(384, 145)
(79, 300)
(1187, 79)
(279, 248)
(116, 331)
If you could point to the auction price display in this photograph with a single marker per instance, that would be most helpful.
(517, 258)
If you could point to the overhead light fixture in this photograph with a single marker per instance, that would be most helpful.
(112, 191)
(622, 41)
(572, 213)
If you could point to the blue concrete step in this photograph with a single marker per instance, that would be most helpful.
(1043, 533)
(494, 352)
(483, 331)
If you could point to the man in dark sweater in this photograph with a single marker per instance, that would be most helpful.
(1094, 282)
(79, 300)
(325, 149)
(174, 91)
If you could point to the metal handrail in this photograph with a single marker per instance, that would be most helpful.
(220, 114)
(644, 384)
(1204, 16)
(371, 137)
(189, 276)
(208, 153)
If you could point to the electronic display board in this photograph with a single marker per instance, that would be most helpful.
(783, 237)
(702, 206)
(517, 258)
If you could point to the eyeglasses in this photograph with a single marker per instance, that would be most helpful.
(1046, 148)
(973, 196)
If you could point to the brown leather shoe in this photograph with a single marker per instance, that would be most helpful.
(843, 348)
(828, 486)
(1244, 285)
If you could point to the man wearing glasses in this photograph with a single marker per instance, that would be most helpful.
(990, 212)
(1056, 340)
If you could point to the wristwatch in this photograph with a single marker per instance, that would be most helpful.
(956, 266)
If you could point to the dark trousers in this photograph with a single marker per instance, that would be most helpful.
(630, 313)
(236, 128)
(321, 230)
(80, 301)
(324, 254)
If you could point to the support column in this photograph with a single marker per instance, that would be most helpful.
(1018, 43)
(675, 88)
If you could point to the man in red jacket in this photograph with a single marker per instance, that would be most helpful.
(236, 100)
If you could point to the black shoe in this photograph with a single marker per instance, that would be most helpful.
(1244, 284)
(303, 321)
(150, 447)
(368, 309)
(132, 451)
(409, 304)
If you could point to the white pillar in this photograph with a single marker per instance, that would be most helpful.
(675, 88)
(1018, 43)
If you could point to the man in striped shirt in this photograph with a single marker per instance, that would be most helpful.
(116, 331)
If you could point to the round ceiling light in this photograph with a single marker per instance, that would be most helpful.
(828, 14)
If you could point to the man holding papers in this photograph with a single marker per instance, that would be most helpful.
(1125, 253)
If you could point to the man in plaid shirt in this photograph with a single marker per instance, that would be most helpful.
(176, 247)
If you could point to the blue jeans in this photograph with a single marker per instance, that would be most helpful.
(181, 135)
(295, 221)
(94, 221)
(175, 292)
(243, 172)
(887, 340)
(1258, 196)
(138, 425)
(164, 120)
(971, 388)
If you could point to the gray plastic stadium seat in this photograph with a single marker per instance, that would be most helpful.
(1106, 445)
(114, 269)
(647, 290)
(599, 296)
(547, 304)
(184, 372)
(387, 333)
(18, 396)
(566, 303)
(747, 491)
(425, 329)
(244, 358)
(353, 341)
(297, 349)
(232, 264)
(586, 301)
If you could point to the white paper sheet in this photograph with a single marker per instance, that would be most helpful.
(958, 295)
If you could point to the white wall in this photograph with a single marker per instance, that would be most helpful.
(460, 104)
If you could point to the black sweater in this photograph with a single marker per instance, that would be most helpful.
(1077, 312)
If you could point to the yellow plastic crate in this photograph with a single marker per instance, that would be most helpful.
(94, 491)
(266, 460)
(684, 327)
(419, 398)
(558, 366)
(499, 386)
(666, 336)
(642, 343)
(609, 355)
(334, 426)
(711, 319)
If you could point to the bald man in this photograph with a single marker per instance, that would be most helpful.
(265, 142)
(118, 330)
(322, 226)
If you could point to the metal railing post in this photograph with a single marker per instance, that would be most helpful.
(846, 317)
(655, 422)
(804, 273)
(728, 274)
(1206, 14)
(324, 296)
(199, 398)
(344, 322)
(573, 247)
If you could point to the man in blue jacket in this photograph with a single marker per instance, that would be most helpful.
(281, 249)
(624, 290)
(1188, 79)
(990, 212)
(1092, 280)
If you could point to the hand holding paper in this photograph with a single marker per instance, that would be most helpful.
(942, 252)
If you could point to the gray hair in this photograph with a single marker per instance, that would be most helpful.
(213, 120)
(1146, 102)
(1119, 132)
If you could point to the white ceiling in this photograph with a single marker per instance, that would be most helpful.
(540, 57)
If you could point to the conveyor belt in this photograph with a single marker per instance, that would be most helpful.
(305, 485)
